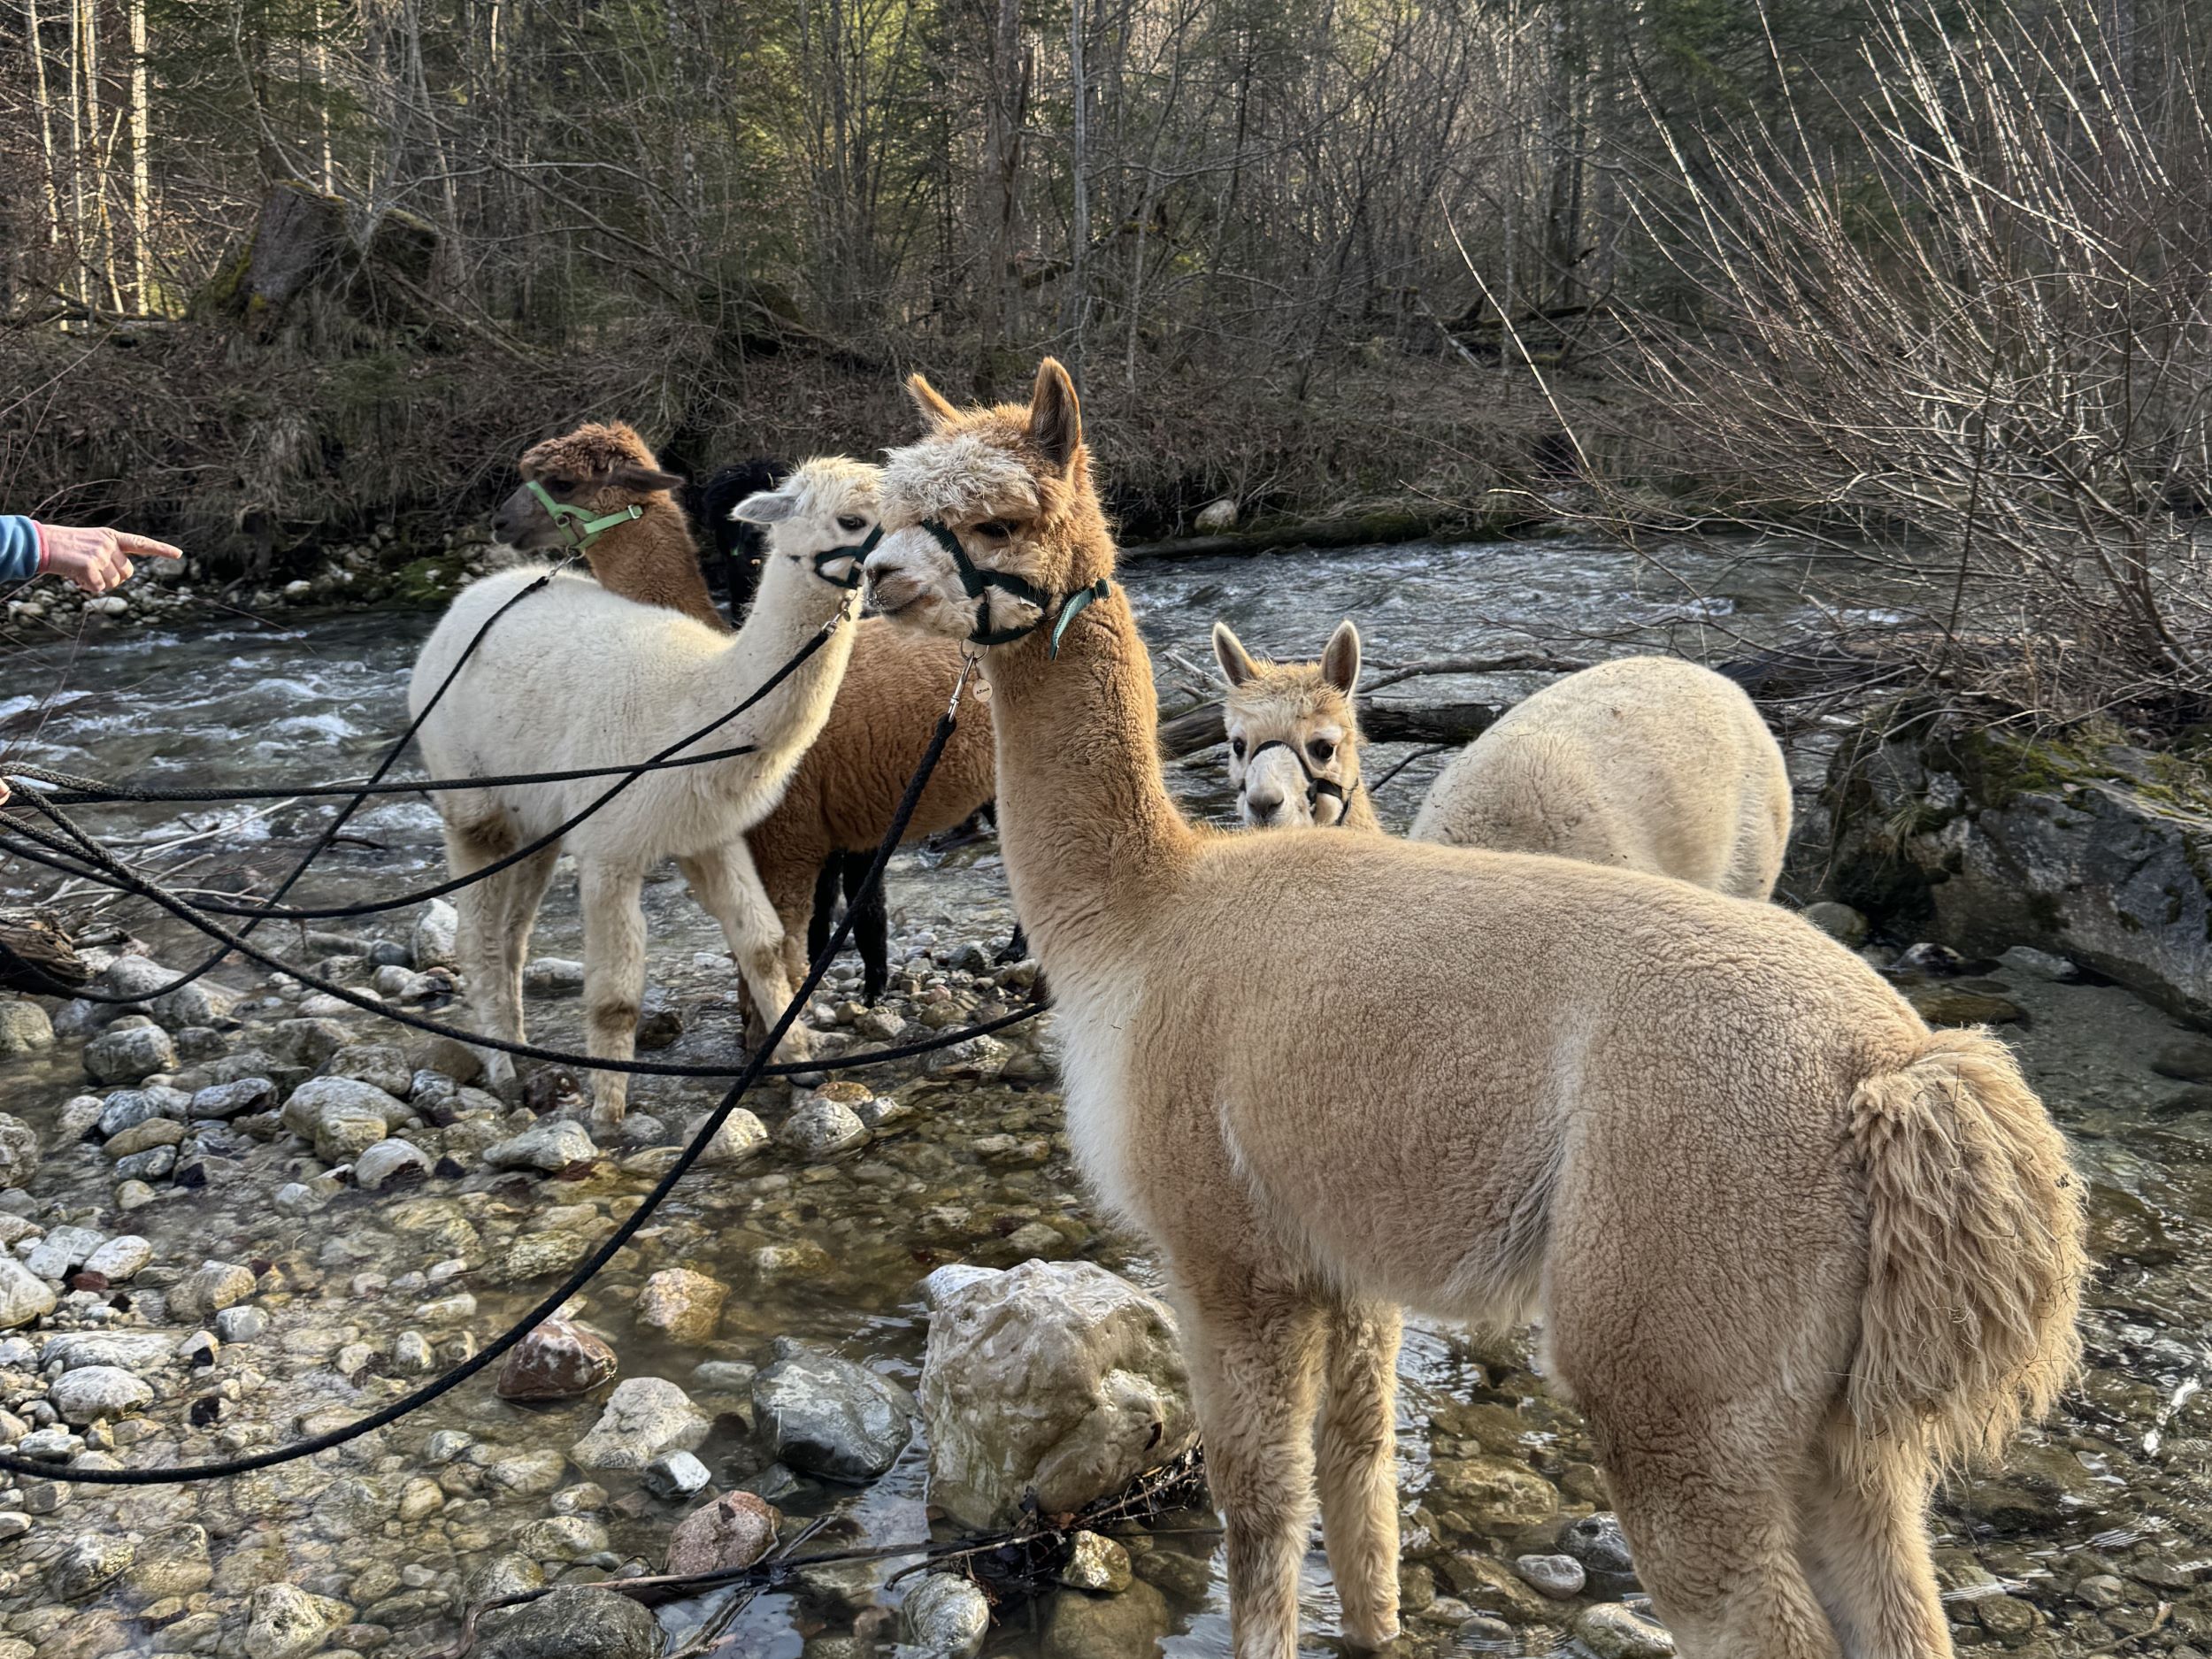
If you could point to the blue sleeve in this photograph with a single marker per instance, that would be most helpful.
(19, 548)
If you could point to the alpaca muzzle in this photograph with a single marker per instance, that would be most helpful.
(1318, 787)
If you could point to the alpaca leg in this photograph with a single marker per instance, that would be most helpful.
(1256, 1354)
(496, 916)
(825, 917)
(728, 889)
(1357, 1457)
(871, 926)
(614, 980)
(1706, 1503)
(1866, 1549)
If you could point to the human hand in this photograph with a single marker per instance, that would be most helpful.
(97, 559)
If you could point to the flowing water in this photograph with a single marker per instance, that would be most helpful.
(2092, 1541)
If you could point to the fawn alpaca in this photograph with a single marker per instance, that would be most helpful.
(576, 677)
(1294, 736)
(1792, 1249)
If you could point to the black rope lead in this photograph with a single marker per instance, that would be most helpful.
(591, 1266)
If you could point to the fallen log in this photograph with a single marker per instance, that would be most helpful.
(1380, 722)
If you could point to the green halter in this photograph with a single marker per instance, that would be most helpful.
(579, 526)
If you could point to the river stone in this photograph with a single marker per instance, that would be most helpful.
(684, 1305)
(573, 1622)
(1055, 1379)
(1097, 1563)
(197, 1004)
(731, 1532)
(155, 1132)
(1611, 1631)
(133, 1350)
(1840, 922)
(2040, 964)
(435, 943)
(945, 1617)
(208, 1290)
(1949, 1005)
(91, 1565)
(313, 1106)
(385, 1161)
(2188, 1059)
(550, 1146)
(1558, 1576)
(128, 1108)
(285, 1622)
(821, 1413)
(553, 976)
(644, 1418)
(528, 1474)
(381, 1065)
(307, 1042)
(561, 1537)
(539, 1255)
(1107, 1626)
(502, 1574)
(226, 1100)
(660, 1019)
(152, 1164)
(1497, 1494)
(741, 1136)
(24, 1027)
(62, 1249)
(91, 1391)
(19, 1150)
(171, 1562)
(124, 1054)
(677, 1475)
(822, 1129)
(24, 1296)
(556, 1361)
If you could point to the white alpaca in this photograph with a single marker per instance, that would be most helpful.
(1645, 762)
(576, 677)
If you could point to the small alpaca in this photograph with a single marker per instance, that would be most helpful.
(738, 547)
(839, 801)
(1793, 1251)
(576, 677)
(1294, 736)
(1644, 763)
(602, 473)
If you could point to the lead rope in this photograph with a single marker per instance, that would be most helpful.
(596, 1262)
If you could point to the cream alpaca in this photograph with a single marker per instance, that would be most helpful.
(575, 678)
(1792, 1249)
(1646, 763)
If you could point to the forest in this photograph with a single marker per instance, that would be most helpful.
(1927, 280)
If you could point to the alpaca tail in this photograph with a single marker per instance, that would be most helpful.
(1975, 1257)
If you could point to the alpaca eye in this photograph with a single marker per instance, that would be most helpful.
(1236, 747)
(851, 522)
(1321, 748)
(995, 530)
(560, 485)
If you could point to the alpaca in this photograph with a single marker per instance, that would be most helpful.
(738, 547)
(1294, 735)
(1645, 762)
(1793, 1251)
(604, 475)
(578, 677)
(838, 806)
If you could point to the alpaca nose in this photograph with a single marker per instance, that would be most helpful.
(1264, 805)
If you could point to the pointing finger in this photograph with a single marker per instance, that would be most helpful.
(146, 547)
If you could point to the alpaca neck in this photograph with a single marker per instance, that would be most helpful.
(1090, 833)
(654, 561)
(792, 608)
(1359, 810)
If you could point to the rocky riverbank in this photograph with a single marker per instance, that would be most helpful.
(254, 1213)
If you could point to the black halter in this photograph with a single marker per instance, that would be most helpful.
(1316, 785)
(977, 582)
(858, 550)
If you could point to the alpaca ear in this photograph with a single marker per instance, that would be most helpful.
(645, 480)
(767, 506)
(1056, 419)
(932, 403)
(1340, 658)
(1236, 663)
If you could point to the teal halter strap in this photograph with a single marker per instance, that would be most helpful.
(579, 526)
(977, 582)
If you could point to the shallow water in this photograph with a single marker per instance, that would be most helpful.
(2122, 1485)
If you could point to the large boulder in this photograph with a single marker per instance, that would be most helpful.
(823, 1414)
(1057, 1379)
(2075, 844)
(573, 1622)
(644, 1418)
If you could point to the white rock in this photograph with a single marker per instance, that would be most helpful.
(91, 1391)
(741, 1136)
(822, 1129)
(62, 1249)
(1057, 1378)
(945, 1617)
(24, 1296)
(1217, 516)
(385, 1159)
(549, 1145)
(120, 1258)
(645, 1418)
(284, 1622)
(951, 1278)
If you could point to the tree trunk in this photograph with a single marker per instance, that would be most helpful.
(1077, 300)
(52, 175)
(141, 164)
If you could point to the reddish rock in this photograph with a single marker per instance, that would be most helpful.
(556, 1361)
(731, 1532)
